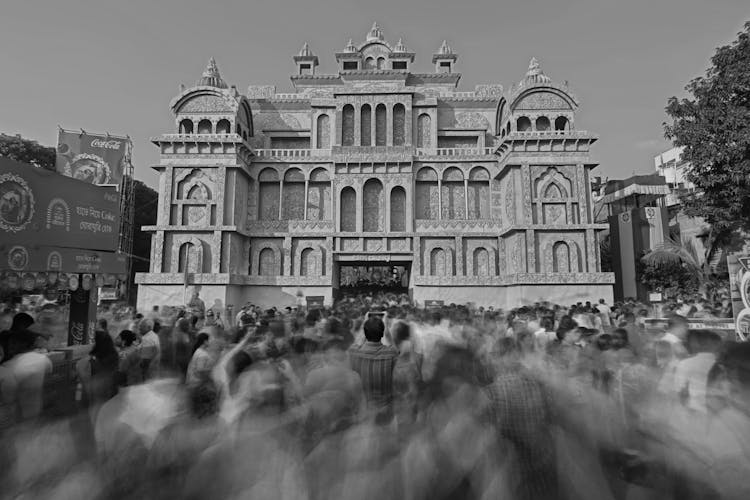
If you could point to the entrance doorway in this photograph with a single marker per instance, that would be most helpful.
(368, 278)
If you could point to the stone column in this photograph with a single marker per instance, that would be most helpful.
(460, 267)
(526, 191)
(307, 187)
(466, 198)
(416, 267)
(286, 253)
(281, 199)
(530, 251)
(440, 198)
(360, 208)
(389, 125)
(357, 122)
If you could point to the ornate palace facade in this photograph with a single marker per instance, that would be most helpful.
(483, 196)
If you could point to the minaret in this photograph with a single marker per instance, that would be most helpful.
(306, 61)
(444, 59)
(211, 76)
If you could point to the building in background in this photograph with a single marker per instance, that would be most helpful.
(475, 196)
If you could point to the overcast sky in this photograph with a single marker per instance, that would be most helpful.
(114, 66)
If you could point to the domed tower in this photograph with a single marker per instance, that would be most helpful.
(203, 190)
(444, 59)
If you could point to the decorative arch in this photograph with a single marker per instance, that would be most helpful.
(562, 123)
(544, 97)
(205, 127)
(424, 131)
(380, 125)
(186, 126)
(553, 176)
(562, 256)
(310, 262)
(542, 124)
(553, 198)
(453, 194)
(427, 194)
(478, 191)
(319, 195)
(370, 63)
(366, 125)
(381, 62)
(323, 132)
(269, 261)
(399, 124)
(347, 125)
(481, 262)
(439, 260)
(348, 212)
(293, 202)
(223, 126)
(187, 252)
(398, 209)
(523, 124)
(373, 206)
(269, 192)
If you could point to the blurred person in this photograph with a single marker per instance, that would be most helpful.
(605, 313)
(150, 349)
(183, 345)
(546, 333)
(691, 374)
(98, 372)
(202, 361)
(213, 319)
(374, 363)
(407, 376)
(24, 372)
(130, 372)
(196, 306)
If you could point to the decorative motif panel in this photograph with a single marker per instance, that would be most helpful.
(374, 245)
(366, 125)
(269, 201)
(501, 256)
(438, 262)
(267, 264)
(424, 131)
(481, 264)
(319, 201)
(510, 206)
(324, 132)
(293, 205)
(561, 258)
(373, 206)
(195, 215)
(380, 125)
(479, 200)
(399, 124)
(542, 100)
(453, 199)
(427, 200)
(526, 187)
(347, 125)
(555, 214)
(350, 244)
(207, 104)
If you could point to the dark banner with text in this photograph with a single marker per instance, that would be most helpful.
(92, 158)
(39, 207)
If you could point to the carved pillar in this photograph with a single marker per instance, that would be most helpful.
(216, 251)
(592, 255)
(440, 198)
(281, 198)
(531, 251)
(167, 191)
(286, 256)
(417, 261)
(357, 122)
(221, 186)
(526, 190)
(466, 198)
(307, 187)
(583, 191)
(360, 208)
(460, 267)
(387, 207)
(389, 125)
(409, 209)
(157, 252)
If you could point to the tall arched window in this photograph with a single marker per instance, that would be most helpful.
(347, 125)
(372, 205)
(381, 62)
(324, 132)
(481, 262)
(307, 265)
(223, 127)
(438, 262)
(380, 125)
(424, 131)
(267, 265)
(205, 127)
(268, 196)
(561, 258)
(453, 194)
(319, 195)
(186, 126)
(348, 212)
(366, 126)
(399, 124)
(369, 63)
(479, 194)
(561, 123)
(398, 209)
(542, 123)
(426, 196)
(523, 124)
(188, 259)
(293, 204)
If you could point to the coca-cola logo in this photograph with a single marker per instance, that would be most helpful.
(101, 143)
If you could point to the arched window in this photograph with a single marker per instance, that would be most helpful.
(561, 123)
(366, 126)
(438, 264)
(398, 209)
(188, 259)
(453, 194)
(268, 196)
(553, 191)
(561, 257)
(381, 62)
(380, 125)
(205, 127)
(399, 124)
(324, 132)
(267, 265)
(307, 264)
(523, 124)
(369, 63)
(347, 124)
(426, 196)
(479, 193)
(319, 195)
(372, 206)
(424, 131)
(542, 123)
(223, 127)
(481, 261)
(348, 212)
(293, 204)
(186, 126)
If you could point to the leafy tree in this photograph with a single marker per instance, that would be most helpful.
(17, 148)
(670, 277)
(677, 264)
(145, 200)
(713, 126)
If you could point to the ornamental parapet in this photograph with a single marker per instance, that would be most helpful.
(230, 279)
(546, 141)
(517, 279)
(372, 154)
(462, 226)
(296, 155)
(445, 154)
(192, 138)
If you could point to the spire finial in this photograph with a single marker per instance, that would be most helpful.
(535, 73)
(211, 76)
(350, 47)
(305, 50)
(445, 48)
(400, 47)
(375, 33)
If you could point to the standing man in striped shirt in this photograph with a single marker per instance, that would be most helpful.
(374, 363)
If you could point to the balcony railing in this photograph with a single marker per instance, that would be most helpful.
(547, 133)
(454, 151)
(291, 153)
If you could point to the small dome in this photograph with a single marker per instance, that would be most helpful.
(211, 76)
(445, 48)
(305, 51)
(350, 48)
(535, 74)
(400, 47)
(375, 34)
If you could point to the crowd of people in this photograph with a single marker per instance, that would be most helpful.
(375, 397)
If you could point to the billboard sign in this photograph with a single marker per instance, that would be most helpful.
(92, 158)
(314, 302)
(39, 207)
(19, 258)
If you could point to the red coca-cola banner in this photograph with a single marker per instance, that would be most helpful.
(92, 158)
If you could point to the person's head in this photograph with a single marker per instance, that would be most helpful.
(604, 342)
(547, 323)
(101, 324)
(201, 341)
(21, 321)
(566, 330)
(374, 329)
(19, 342)
(145, 326)
(619, 338)
(210, 314)
(602, 301)
(702, 341)
(629, 318)
(127, 338)
(104, 346)
(401, 333)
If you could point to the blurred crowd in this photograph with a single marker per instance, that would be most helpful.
(377, 398)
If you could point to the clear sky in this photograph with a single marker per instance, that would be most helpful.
(114, 65)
